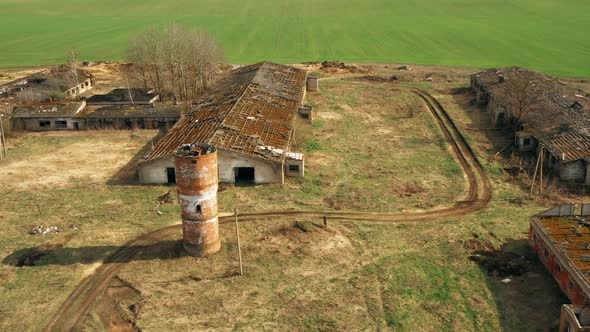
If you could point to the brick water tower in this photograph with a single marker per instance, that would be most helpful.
(197, 182)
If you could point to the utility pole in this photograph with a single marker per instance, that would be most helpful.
(536, 169)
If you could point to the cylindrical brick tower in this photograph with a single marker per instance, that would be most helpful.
(197, 182)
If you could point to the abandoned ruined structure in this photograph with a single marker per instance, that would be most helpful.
(47, 84)
(249, 117)
(545, 115)
(48, 116)
(77, 116)
(132, 96)
(197, 183)
(560, 237)
(132, 117)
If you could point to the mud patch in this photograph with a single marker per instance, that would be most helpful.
(497, 262)
(120, 307)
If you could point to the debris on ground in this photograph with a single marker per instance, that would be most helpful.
(335, 67)
(505, 281)
(403, 68)
(305, 225)
(31, 258)
(500, 263)
(167, 198)
(43, 230)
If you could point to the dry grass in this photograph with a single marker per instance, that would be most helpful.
(59, 159)
(371, 149)
(351, 276)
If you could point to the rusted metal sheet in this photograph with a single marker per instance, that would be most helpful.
(562, 243)
(254, 106)
(196, 183)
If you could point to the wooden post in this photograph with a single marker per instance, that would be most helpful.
(325, 221)
(3, 138)
(541, 170)
(535, 175)
(238, 239)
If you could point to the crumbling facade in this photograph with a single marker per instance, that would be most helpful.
(560, 237)
(249, 118)
(197, 183)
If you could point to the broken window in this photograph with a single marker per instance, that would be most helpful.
(293, 168)
(526, 141)
(44, 123)
(61, 124)
(570, 284)
(305, 116)
(161, 124)
(557, 268)
(545, 252)
(199, 208)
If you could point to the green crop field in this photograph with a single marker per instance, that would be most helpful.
(549, 35)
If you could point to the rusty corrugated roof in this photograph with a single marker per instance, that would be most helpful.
(569, 146)
(570, 235)
(254, 106)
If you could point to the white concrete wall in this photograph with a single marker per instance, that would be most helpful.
(154, 172)
(264, 171)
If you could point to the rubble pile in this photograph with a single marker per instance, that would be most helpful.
(334, 67)
(43, 230)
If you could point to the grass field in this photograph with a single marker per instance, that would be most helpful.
(548, 35)
(351, 276)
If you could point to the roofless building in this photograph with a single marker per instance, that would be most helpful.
(249, 118)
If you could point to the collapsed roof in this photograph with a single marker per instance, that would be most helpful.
(133, 95)
(557, 115)
(254, 107)
(48, 110)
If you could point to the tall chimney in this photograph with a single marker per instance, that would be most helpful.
(196, 183)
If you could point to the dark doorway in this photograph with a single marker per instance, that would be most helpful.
(171, 173)
(76, 125)
(244, 176)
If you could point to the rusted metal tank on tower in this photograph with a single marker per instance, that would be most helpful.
(197, 183)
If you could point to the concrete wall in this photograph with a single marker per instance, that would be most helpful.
(80, 89)
(572, 171)
(34, 124)
(154, 172)
(264, 171)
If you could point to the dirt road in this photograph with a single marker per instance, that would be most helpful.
(478, 196)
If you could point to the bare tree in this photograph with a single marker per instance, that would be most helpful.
(73, 69)
(178, 63)
(523, 96)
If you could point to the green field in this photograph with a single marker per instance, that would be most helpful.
(549, 35)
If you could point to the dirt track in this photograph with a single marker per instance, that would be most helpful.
(479, 195)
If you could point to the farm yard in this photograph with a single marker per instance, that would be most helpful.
(298, 275)
(548, 35)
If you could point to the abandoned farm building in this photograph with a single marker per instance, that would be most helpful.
(560, 237)
(77, 116)
(45, 117)
(44, 85)
(133, 96)
(544, 114)
(133, 117)
(249, 117)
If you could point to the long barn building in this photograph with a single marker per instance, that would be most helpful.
(249, 117)
(560, 237)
